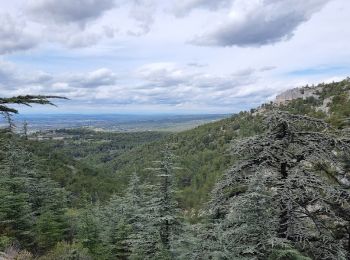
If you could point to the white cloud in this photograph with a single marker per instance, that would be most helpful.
(168, 84)
(171, 84)
(16, 81)
(94, 79)
(94, 58)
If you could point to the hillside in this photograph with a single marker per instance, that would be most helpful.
(325, 101)
(203, 152)
(78, 159)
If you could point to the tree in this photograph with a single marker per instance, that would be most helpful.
(25, 130)
(159, 221)
(116, 227)
(288, 156)
(28, 195)
(89, 230)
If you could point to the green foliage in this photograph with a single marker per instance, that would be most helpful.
(25, 100)
(250, 229)
(50, 228)
(286, 203)
(332, 104)
(201, 152)
(281, 191)
(80, 163)
(28, 198)
(5, 242)
(287, 254)
(66, 251)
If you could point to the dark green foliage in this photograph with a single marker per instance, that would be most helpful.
(27, 100)
(66, 251)
(249, 230)
(287, 254)
(80, 162)
(142, 224)
(32, 206)
(298, 200)
(285, 193)
(50, 228)
(201, 152)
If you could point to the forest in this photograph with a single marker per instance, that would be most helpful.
(269, 183)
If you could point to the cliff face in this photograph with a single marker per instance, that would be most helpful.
(295, 93)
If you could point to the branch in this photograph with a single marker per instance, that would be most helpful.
(27, 100)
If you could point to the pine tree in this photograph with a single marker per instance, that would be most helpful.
(289, 155)
(16, 216)
(90, 227)
(144, 238)
(115, 227)
(28, 195)
(159, 222)
(32, 206)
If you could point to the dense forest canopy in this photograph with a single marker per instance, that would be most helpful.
(271, 183)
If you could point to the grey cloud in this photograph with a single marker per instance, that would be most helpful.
(196, 65)
(183, 7)
(244, 72)
(270, 21)
(142, 11)
(65, 21)
(68, 11)
(13, 37)
(267, 68)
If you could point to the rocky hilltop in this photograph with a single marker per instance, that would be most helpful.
(295, 93)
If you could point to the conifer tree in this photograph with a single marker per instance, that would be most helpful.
(27, 194)
(159, 215)
(116, 228)
(89, 231)
(31, 195)
(289, 156)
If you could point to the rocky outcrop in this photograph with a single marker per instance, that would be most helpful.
(296, 93)
(3, 256)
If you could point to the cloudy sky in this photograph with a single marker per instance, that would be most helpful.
(174, 56)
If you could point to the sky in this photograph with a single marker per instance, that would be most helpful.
(174, 56)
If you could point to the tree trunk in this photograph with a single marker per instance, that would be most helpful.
(283, 220)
